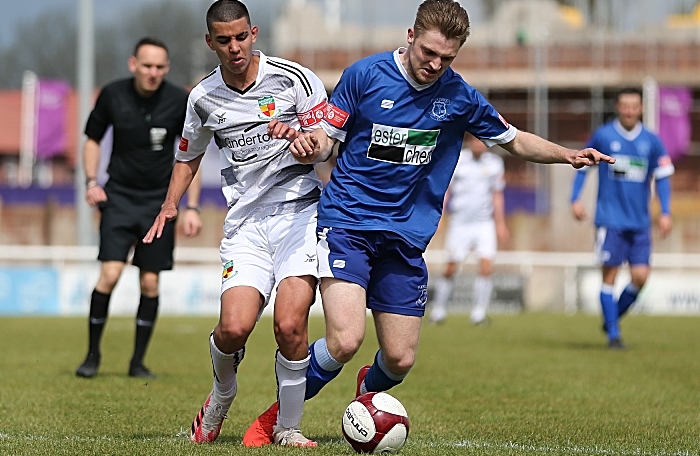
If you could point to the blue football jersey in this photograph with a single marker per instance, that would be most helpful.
(624, 188)
(400, 145)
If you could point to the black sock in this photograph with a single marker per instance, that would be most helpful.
(145, 320)
(99, 303)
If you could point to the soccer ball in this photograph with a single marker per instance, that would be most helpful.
(375, 423)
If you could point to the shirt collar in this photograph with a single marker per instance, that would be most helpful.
(404, 73)
(629, 135)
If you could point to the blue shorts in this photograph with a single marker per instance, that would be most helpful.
(614, 246)
(389, 268)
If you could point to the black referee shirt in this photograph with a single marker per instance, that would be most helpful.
(144, 132)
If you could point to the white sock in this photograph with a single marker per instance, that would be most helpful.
(481, 296)
(291, 388)
(225, 366)
(443, 290)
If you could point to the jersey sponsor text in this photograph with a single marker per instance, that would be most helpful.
(402, 145)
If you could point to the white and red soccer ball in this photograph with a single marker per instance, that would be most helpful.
(375, 423)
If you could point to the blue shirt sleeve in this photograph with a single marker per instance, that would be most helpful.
(579, 180)
(663, 189)
(346, 94)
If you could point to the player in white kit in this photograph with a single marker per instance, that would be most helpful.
(270, 237)
(476, 223)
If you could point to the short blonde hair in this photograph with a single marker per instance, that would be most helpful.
(445, 16)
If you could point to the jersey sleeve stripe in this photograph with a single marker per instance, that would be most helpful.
(212, 73)
(664, 171)
(503, 138)
(296, 72)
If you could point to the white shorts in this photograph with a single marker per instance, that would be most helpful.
(463, 237)
(261, 254)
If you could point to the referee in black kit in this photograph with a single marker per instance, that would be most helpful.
(147, 113)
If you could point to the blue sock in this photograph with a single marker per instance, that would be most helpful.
(322, 368)
(627, 298)
(379, 378)
(609, 312)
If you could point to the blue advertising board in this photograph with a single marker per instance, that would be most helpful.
(29, 290)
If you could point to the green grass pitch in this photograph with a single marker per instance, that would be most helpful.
(528, 384)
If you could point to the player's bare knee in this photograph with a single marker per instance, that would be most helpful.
(149, 284)
(399, 363)
(108, 280)
(232, 334)
(343, 348)
(290, 333)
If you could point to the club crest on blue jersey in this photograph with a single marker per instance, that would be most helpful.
(643, 148)
(439, 111)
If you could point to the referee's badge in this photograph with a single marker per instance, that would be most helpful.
(229, 272)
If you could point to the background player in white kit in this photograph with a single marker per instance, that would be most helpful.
(477, 222)
(270, 226)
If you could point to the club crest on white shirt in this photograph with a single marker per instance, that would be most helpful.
(267, 107)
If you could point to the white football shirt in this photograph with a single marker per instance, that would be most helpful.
(259, 176)
(473, 184)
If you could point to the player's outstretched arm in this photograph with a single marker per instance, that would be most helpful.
(183, 173)
(535, 149)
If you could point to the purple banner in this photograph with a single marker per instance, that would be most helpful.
(674, 120)
(52, 105)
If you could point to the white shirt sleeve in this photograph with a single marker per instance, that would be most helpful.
(195, 136)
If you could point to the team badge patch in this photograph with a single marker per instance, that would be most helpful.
(229, 272)
(439, 111)
(423, 298)
(267, 106)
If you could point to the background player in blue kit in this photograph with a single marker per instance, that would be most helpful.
(400, 117)
(622, 211)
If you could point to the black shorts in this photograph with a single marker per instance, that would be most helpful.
(127, 215)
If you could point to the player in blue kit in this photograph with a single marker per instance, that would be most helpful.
(622, 211)
(400, 117)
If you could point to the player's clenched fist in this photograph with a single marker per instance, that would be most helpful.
(306, 148)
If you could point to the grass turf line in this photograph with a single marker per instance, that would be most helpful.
(527, 384)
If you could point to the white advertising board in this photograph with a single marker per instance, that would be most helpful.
(665, 293)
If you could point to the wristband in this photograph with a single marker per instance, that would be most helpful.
(197, 209)
(90, 182)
